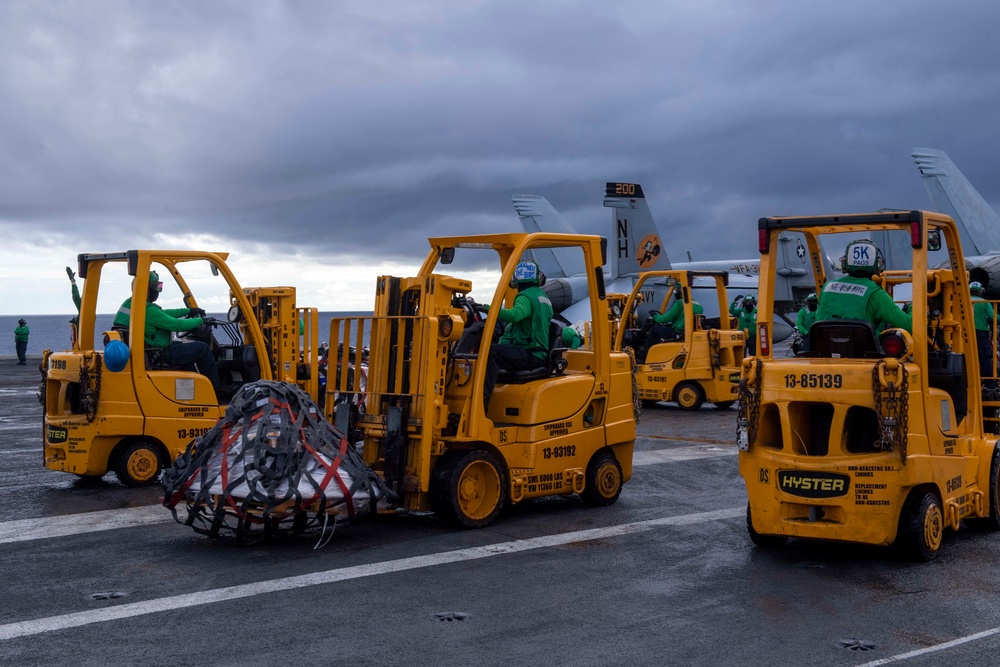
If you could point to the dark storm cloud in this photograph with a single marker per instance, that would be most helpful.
(363, 128)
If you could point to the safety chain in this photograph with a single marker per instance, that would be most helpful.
(636, 401)
(748, 416)
(890, 383)
(88, 396)
(44, 370)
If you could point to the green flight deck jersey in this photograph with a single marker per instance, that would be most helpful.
(674, 316)
(159, 322)
(859, 298)
(982, 312)
(528, 321)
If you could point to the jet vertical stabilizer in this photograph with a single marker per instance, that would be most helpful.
(566, 280)
(952, 194)
(637, 245)
(538, 215)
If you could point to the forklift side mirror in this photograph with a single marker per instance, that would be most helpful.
(235, 315)
(447, 255)
(934, 240)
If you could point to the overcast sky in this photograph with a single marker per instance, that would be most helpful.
(321, 143)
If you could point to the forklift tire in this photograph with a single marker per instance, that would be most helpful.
(991, 522)
(689, 395)
(603, 483)
(764, 541)
(724, 405)
(138, 464)
(921, 527)
(469, 487)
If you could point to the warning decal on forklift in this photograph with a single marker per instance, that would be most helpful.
(547, 482)
(862, 494)
(814, 484)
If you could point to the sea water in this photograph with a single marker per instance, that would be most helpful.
(53, 331)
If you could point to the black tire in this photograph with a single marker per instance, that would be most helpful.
(724, 405)
(603, 483)
(138, 464)
(468, 488)
(921, 527)
(991, 522)
(764, 541)
(689, 395)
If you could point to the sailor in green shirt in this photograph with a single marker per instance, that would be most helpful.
(524, 344)
(983, 315)
(744, 309)
(75, 292)
(571, 338)
(670, 325)
(21, 332)
(856, 296)
(805, 319)
(159, 325)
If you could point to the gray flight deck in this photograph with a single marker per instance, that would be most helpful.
(97, 574)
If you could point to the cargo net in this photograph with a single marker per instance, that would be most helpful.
(271, 467)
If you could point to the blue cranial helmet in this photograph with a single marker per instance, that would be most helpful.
(116, 354)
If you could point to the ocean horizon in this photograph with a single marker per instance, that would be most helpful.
(53, 332)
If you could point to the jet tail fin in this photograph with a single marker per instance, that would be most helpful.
(952, 194)
(637, 241)
(538, 215)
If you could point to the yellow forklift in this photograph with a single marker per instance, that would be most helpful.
(567, 427)
(873, 437)
(700, 363)
(138, 418)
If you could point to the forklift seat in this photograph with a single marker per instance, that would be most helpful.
(555, 363)
(852, 339)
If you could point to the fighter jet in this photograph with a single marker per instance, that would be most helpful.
(636, 246)
(978, 224)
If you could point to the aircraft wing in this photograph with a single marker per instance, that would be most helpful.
(538, 215)
(952, 194)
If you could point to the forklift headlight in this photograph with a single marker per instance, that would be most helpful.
(449, 327)
(896, 343)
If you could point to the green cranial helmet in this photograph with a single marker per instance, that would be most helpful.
(812, 298)
(862, 256)
(154, 288)
(976, 288)
(749, 302)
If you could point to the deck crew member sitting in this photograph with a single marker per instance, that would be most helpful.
(670, 325)
(856, 296)
(160, 323)
(524, 344)
(571, 338)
